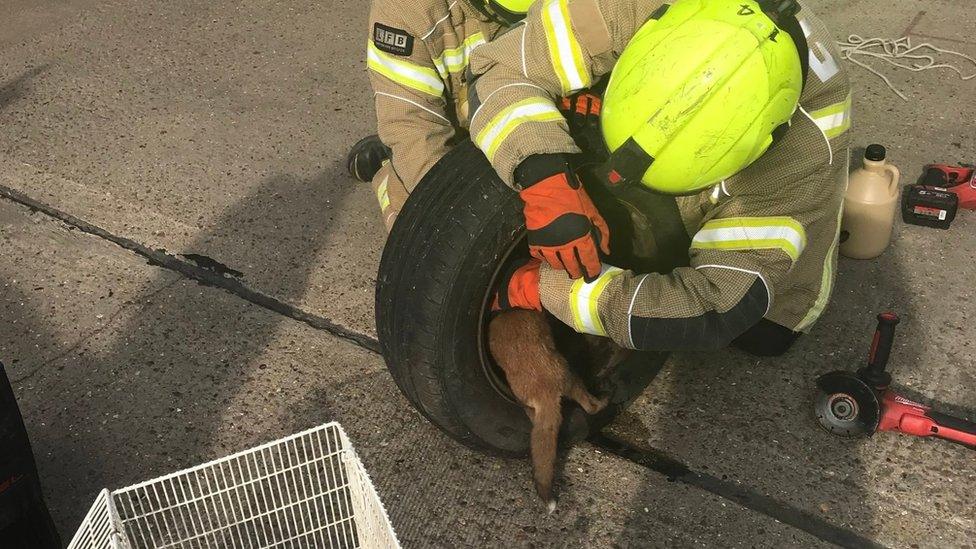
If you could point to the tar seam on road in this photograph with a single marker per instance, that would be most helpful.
(203, 275)
(651, 459)
(679, 472)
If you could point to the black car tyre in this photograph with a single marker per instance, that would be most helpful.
(439, 267)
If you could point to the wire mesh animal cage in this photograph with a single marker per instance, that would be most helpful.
(306, 490)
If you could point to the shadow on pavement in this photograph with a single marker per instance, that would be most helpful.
(13, 90)
(154, 399)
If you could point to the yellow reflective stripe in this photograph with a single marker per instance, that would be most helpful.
(834, 119)
(594, 298)
(455, 60)
(404, 73)
(584, 300)
(772, 221)
(573, 297)
(752, 233)
(382, 194)
(826, 282)
(504, 123)
(564, 50)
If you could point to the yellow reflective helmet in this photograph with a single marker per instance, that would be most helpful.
(700, 92)
(506, 11)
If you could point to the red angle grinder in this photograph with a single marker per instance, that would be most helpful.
(852, 404)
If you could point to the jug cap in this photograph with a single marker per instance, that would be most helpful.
(875, 152)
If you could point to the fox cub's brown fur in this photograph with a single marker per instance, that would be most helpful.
(521, 343)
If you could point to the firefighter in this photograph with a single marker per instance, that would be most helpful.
(417, 55)
(735, 113)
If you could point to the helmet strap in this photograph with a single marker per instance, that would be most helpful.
(628, 164)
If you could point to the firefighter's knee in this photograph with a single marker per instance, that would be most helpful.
(390, 193)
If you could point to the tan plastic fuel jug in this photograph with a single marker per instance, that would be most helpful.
(869, 206)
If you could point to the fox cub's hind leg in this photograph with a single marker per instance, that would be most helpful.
(583, 397)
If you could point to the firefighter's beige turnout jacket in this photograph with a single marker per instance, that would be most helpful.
(763, 242)
(417, 56)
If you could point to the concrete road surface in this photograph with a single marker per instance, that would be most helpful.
(213, 133)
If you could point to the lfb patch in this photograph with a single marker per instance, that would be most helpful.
(391, 40)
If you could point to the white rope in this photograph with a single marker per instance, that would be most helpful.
(900, 53)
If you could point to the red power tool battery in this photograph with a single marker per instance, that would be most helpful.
(929, 207)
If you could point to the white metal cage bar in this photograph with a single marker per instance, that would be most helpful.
(306, 490)
(100, 527)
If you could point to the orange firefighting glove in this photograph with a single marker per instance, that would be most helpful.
(564, 227)
(519, 287)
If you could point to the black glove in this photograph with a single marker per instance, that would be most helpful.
(582, 113)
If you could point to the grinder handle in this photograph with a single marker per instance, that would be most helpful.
(884, 336)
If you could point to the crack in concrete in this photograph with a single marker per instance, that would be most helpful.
(655, 460)
(203, 275)
(81, 341)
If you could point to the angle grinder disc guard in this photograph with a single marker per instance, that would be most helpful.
(846, 406)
